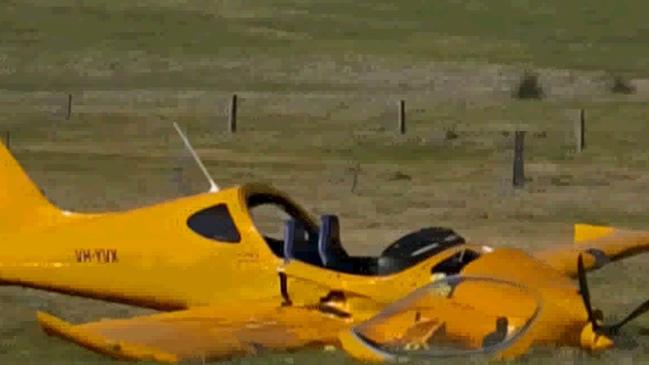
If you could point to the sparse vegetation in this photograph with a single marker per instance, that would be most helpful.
(529, 86)
(620, 85)
(451, 135)
(399, 176)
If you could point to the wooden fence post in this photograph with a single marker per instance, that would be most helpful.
(580, 130)
(402, 116)
(518, 179)
(355, 180)
(69, 107)
(232, 118)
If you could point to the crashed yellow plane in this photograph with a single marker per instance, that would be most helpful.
(229, 289)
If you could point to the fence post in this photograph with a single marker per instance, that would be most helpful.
(580, 130)
(232, 118)
(69, 107)
(402, 116)
(518, 179)
(355, 180)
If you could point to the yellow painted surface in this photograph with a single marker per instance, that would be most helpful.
(226, 296)
(587, 232)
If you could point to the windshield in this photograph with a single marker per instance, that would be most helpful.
(269, 213)
(451, 317)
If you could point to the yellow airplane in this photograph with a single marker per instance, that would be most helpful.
(231, 289)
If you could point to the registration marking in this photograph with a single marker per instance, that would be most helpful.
(96, 255)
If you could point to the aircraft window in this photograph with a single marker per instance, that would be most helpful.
(215, 223)
(269, 212)
(269, 219)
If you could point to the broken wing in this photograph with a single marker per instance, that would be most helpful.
(599, 245)
(454, 316)
(200, 333)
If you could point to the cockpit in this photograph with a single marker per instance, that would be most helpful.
(291, 234)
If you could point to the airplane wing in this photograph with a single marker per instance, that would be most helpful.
(200, 333)
(598, 245)
(454, 316)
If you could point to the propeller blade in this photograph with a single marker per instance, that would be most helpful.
(641, 309)
(592, 316)
(583, 289)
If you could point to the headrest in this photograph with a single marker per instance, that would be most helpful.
(289, 238)
(293, 231)
(333, 226)
(329, 234)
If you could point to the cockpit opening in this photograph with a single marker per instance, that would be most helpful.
(270, 212)
(292, 235)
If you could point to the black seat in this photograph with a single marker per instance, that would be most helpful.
(325, 249)
(289, 239)
(297, 245)
(332, 253)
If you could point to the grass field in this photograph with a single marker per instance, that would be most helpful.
(319, 83)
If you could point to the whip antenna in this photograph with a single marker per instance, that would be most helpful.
(213, 186)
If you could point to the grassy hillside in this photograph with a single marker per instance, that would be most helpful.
(253, 45)
(319, 83)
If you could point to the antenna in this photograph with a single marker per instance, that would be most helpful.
(213, 186)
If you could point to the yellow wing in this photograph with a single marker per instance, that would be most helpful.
(200, 333)
(454, 316)
(599, 245)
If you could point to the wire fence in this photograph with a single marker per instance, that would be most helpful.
(338, 118)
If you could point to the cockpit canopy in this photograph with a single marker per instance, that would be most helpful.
(291, 234)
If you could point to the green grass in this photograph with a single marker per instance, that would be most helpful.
(318, 85)
(244, 45)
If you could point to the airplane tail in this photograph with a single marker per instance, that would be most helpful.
(21, 202)
(586, 232)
